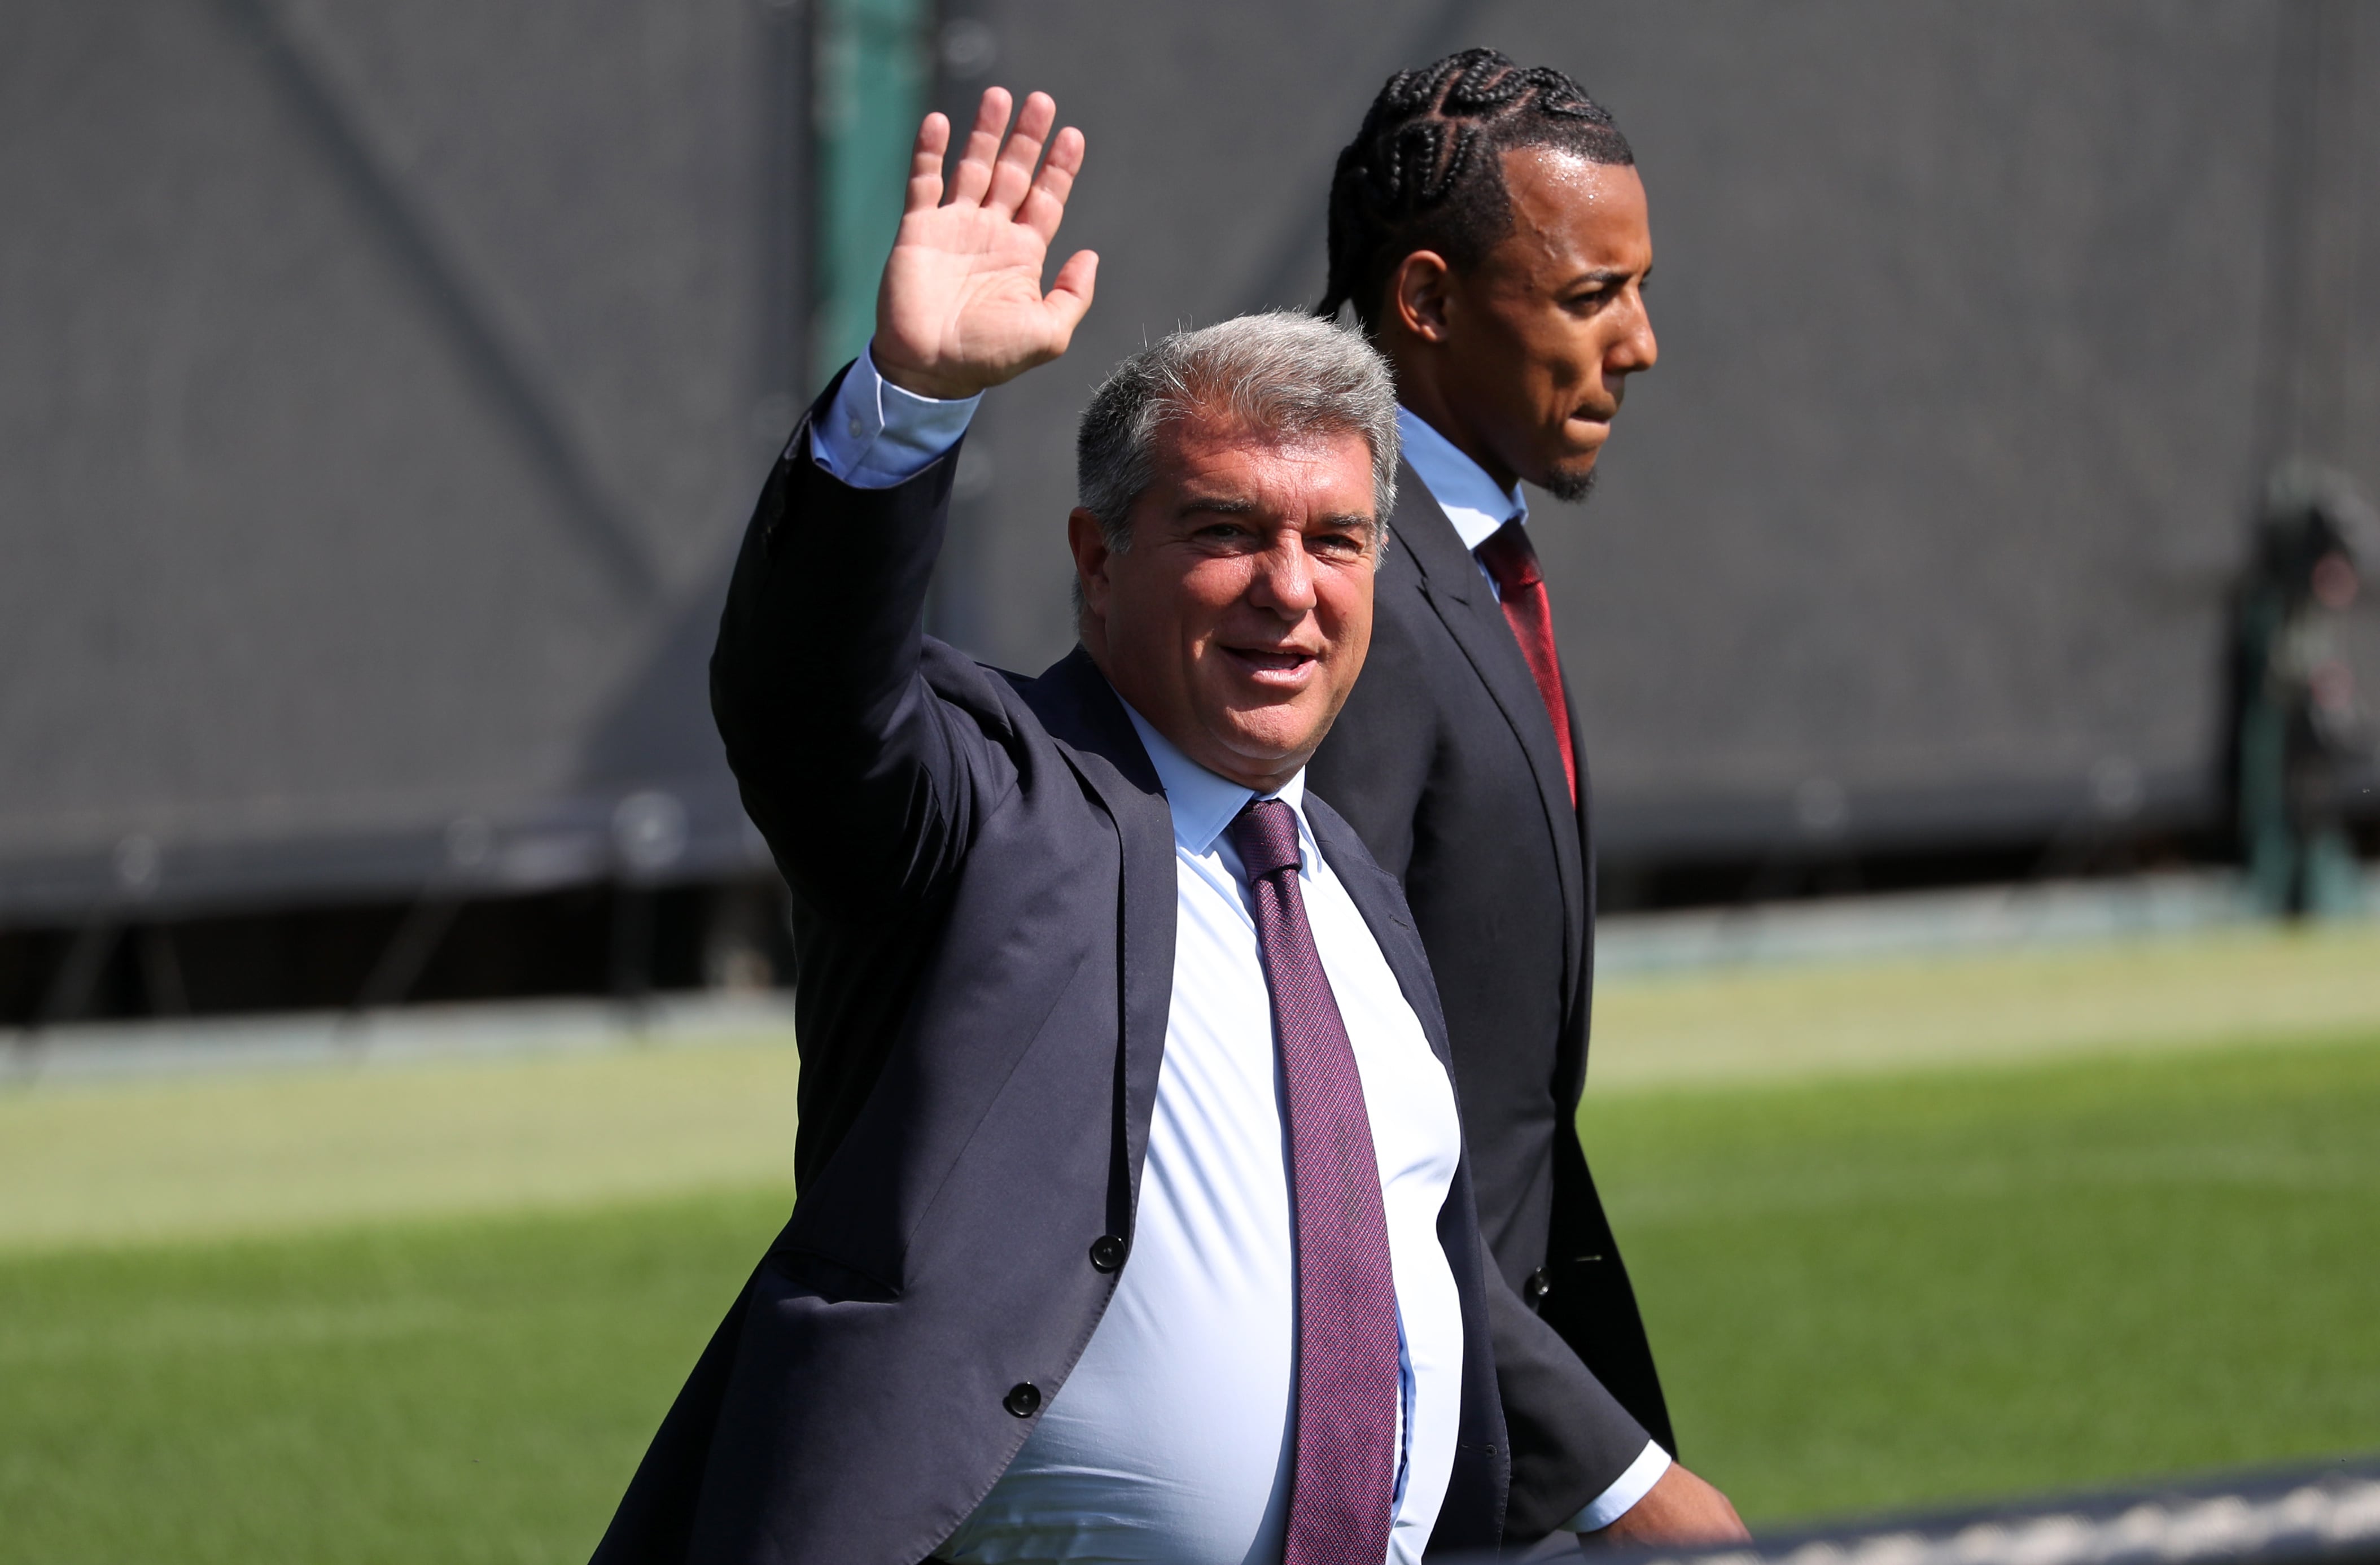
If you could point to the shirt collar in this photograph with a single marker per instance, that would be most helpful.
(1204, 802)
(1462, 488)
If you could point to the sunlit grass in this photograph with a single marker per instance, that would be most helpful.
(192, 1159)
(2221, 988)
(1872, 1293)
(467, 1390)
(1908, 1232)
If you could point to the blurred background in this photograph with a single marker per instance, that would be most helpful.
(1967, 629)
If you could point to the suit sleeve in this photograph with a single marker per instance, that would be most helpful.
(866, 783)
(1572, 1440)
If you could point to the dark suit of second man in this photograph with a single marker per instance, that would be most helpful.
(1489, 228)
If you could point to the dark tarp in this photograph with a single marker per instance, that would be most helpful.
(1979, 326)
(384, 389)
(384, 386)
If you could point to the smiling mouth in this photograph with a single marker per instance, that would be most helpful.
(1271, 665)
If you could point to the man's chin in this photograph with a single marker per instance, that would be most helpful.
(1273, 743)
(1572, 484)
(1270, 737)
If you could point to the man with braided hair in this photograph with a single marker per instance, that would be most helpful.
(1488, 227)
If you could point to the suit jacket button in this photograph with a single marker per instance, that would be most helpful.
(1107, 1253)
(1540, 1283)
(1024, 1398)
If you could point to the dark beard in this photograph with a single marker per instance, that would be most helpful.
(1572, 487)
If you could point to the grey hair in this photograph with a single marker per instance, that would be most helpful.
(1284, 372)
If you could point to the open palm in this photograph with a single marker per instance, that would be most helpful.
(961, 307)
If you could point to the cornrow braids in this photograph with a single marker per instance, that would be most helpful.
(1425, 172)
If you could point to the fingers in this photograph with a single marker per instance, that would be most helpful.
(926, 164)
(973, 176)
(1045, 202)
(1070, 296)
(1012, 176)
(998, 172)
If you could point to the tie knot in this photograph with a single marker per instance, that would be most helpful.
(1510, 558)
(1266, 834)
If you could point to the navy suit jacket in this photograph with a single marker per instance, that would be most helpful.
(983, 891)
(1445, 762)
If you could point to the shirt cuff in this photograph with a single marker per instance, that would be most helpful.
(1631, 1487)
(874, 435)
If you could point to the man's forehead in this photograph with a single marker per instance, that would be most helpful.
(1585, 214)
(1253, 473)
(1215, 447)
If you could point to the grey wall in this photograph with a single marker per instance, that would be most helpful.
(383, 386)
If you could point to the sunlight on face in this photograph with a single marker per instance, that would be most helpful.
(1238, 619)
(1552, 322)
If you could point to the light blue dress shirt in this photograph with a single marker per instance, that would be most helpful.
(876, 435)
(1462, 487)
(1172, 1439)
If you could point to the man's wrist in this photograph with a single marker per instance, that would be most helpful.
(945, 394)
(874, 435)
(919, 382)
(1625, 1491)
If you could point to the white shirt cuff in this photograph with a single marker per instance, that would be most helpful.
(1630, 1488)
(875, 435)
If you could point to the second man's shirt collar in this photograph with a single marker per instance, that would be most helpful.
(1462, 488)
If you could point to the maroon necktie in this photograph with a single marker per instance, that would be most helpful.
(1511, 560)
(1344, 1483)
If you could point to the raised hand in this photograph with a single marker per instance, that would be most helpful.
(961, 307)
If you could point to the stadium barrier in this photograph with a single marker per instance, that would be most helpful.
(2327, 1515)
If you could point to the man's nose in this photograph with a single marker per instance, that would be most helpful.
(1284, 578)
(1635, 348)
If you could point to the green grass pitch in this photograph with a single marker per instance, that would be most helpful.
(1936, 1288)
(434, 1311)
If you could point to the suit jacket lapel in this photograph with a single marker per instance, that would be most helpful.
(1080, 709)
(1422, 538)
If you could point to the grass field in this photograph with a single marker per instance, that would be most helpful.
(1912, 1233)
(1876, 1293)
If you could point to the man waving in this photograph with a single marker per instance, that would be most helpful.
(1134, 1223)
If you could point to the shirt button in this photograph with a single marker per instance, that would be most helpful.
(1540, 1285)
(1107, 1253)
(855, 426)
(1024, 1398)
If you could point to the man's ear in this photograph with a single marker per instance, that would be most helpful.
(1417, 295)
(1088, 543)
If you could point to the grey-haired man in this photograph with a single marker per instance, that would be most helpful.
(1134, 1222)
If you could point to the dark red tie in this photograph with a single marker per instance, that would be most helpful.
(1511, 562)
(1344, 1483)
